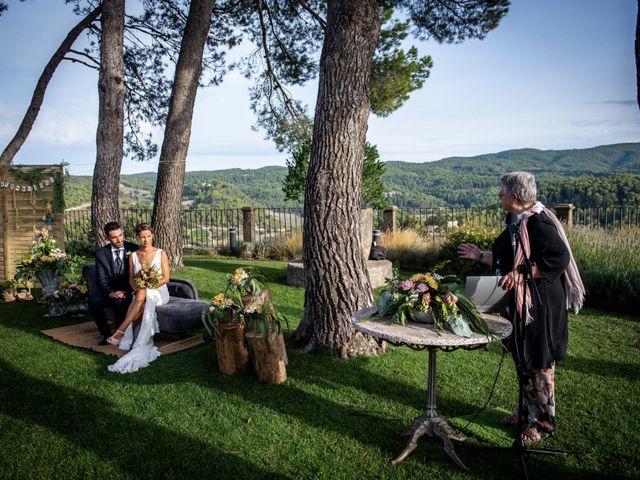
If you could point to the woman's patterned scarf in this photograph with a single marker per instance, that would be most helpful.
(574, 285)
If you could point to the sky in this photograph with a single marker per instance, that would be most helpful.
(555, 74)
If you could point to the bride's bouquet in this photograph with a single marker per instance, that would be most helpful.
(147, 277)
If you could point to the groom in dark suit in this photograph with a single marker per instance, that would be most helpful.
(112, 277)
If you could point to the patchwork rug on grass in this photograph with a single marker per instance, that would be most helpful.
(85, 335)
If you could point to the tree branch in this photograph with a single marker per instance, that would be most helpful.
(38, 94)
(84, 54)
(86, 64)
(321, 21)
(288, 103)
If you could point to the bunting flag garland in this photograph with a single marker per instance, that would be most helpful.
(16, 187)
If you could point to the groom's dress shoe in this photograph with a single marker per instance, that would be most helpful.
(103, 340)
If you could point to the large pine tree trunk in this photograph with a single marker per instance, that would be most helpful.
(173, 156)
(41, 87)
(337, 284)
(109, 137)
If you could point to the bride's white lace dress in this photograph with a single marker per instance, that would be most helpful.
(142, 350)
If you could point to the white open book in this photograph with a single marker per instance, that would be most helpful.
(486, 294)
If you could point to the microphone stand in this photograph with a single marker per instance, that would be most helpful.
(519, 447)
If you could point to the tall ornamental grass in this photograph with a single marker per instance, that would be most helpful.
(609, 262)
(410, 249)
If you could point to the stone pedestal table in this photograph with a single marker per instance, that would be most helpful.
(421, 336)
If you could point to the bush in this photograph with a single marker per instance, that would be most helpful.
(609, 264)
(481, 236)
(82, 247)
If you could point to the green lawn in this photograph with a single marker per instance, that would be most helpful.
(63, 415)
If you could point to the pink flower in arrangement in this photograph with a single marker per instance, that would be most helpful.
(422, 287)
(449, 299)
(406, 285)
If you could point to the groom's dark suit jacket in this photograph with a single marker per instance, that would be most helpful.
(106, 277)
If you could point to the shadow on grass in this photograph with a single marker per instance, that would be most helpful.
(139, 449)
(308, 395)
(602, 368)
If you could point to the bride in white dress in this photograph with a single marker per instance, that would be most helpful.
(140, 325)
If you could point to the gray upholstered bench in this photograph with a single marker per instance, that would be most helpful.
(183, 312)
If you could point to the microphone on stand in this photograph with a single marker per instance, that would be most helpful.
(511, 220)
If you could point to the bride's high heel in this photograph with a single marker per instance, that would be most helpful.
(115, 341)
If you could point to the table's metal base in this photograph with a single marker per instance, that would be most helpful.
(433, 426)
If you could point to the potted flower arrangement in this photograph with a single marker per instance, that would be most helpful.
(74, 293)
(45, 261)
(430, 298)
(8, 290)
(224, 322)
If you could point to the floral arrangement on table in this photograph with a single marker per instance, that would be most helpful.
(430, 298)
(147, 277)
(44, 255)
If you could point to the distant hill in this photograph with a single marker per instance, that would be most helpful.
(608, 174)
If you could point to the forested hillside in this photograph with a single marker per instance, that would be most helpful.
(605, 175)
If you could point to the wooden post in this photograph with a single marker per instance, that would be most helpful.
(248, 224)
(6, 249)
(389, 219)
(564, 212)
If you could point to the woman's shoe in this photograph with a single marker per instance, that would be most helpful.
(533, 435)
(509, 420)
(115, 341)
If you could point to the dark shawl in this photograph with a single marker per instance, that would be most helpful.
(545, 339)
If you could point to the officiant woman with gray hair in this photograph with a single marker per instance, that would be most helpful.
(555, 274)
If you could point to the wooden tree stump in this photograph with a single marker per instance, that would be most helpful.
(269, 358)
(233, 356)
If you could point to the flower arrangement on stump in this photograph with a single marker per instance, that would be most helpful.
(247, 303)
(224, 322)
(430, 298)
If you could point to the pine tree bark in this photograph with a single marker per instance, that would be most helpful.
(173, 156)
(41, 87)
(337, 284)
(109, 136)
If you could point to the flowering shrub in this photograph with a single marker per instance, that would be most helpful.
(44, 254)
(430, 293)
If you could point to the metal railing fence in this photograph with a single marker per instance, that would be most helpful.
(209, 228)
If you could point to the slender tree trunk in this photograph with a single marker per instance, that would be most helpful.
(173, 157)
(337, 284)
(638, 54)
(41, 87)
(109, 136)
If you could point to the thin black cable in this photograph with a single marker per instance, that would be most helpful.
(491, 392)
